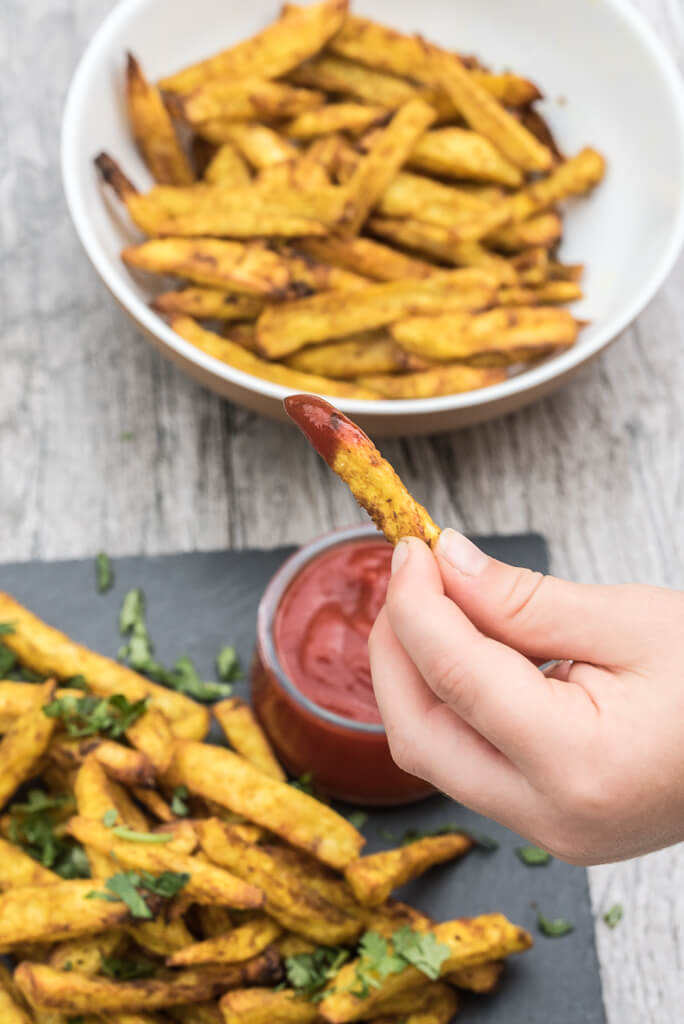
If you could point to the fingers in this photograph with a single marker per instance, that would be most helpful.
(541, 616)
(428, 739)
(495, 690)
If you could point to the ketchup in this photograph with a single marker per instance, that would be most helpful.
(323, 622)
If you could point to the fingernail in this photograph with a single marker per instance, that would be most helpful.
(461, 553)
(400, 555)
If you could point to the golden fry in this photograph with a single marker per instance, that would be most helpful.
(154, 802)
(153, 129)
(231, 781)
(267, 1006)
(336, 75)
(546, 229)
(367, 257)
(242, 943)
(481, 978)
(443, 380)
(18, 869)
(227, 168)
(470, 941)
(374, 352)
(25, 742)
(286, 328)
(497, 337)
(372, 480)
(152, 736)
(335, 117)
(59, 911)
(160, 937)
(310, 873)
(373, 878)
(281, 46)
(11, 1010)
(208, 303)
(549, 293)
(574, 177)
(432, 1003)
(461, 153)
(129, 766)
(245, 735)
(260, 146)
(247, 99)
(85, 955)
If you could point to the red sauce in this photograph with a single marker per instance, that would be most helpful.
(322, 625)
(325, 426)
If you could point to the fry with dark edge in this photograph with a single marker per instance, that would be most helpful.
(352, 455)
(153, 129)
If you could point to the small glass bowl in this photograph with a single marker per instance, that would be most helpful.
(348, 760)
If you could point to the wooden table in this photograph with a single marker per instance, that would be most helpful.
(104, 446)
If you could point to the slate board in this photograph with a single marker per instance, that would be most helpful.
(196, 603)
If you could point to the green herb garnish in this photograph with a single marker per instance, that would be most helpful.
(613, 916)
(304, 783)
(86, 716)
(357, 818)
(228, 664)
(178, 804)
(104, 574)
(485, 842)
(554, 929)
(126, 970)
(379, 958)
(78, 682)
(109, 818)
(6, 628)
(126, 886)
(123, 832)
(8, 660)
(32, 827)
(308, 973)
(533, 856)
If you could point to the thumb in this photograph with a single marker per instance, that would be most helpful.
(540, 616)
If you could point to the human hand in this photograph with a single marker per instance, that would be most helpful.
(588, 763)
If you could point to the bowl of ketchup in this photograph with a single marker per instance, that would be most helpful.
(311, 681)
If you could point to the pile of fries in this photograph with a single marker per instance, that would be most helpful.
(352, 211)
(150, 877)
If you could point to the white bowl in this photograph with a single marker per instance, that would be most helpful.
(608, 81)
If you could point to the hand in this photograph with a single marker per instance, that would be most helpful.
(589, 763)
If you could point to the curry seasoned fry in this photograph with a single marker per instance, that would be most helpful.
(230, 352)
(153, 129)
(481, 978)
(231, 781)
(367, 257)
(242, 943)
(25, 742)
(335, 117)
(442, 380)
(286, 328)
(435, 1003)
(11, 1011)
(260, 145)
(334, 74)
(373, 352)
(281, 46)
(497, 337)
(461, 153)
(60, 911)
(247, 99)
(18, 869)
(85, 954)
(546, 229)
(352, 455)
(208, 303)
(373, 878)
(574, 177)
(267, 1006)
(227, 167)
(160, 937)
(245, 735)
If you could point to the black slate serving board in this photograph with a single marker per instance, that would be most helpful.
(196, 603)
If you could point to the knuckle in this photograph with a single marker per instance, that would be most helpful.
(450, 680)
(404, 752)
(523, 594)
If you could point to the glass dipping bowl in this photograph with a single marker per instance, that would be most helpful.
(348, 760)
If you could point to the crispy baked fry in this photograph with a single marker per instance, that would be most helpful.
(152, 736)
(59, 911)
(461, 153)
(235, 355)
(231, 781)
(497, 337)
(288, 327)
(85, 954)
(259, 145)
(333, 74)
(471, 941)
(227, 167)
(267, 1006)
(434, 1003)
(153, 129)
(154, 802)
(18, 869)
(245, 735)
(46, 650)
(352, 455)
(281, 46)
(208, 303)
(368, 257)
(576, 176)
(310, 873)
(25, 742)
(247, 99)
(374, 352)
(373, 878)
(242, 943)
(129, 812)
(335, 117)
(129, 766)
(544, 229)
(544, 294)
(160, 937)
(207, 884)
(387, 154)
(481, 978)
(443, 380)
(11, 1010)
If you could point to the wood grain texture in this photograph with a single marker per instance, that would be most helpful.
(104, 445)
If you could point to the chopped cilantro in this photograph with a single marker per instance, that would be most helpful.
(104, 574)
(357, 818)
(32, 827)
(420, 949)
(554, 929)
(109, 818)
(126, 886)
(308, 973)
(7, 660)
(228, 664)
(304, 783)
(613, 916)
(6, 628)
(123, 832)
(533, 856)
(486, 842)
(78, 682)
(379, 958)
(85, 716)
(126, 970)
(178, 804)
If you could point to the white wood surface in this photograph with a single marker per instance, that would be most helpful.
(104, 445)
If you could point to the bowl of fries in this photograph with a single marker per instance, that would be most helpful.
(431, 229)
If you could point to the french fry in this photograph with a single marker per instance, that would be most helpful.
(387, 154)
(310, 873)
(85, 954)
(247, 99)
(94, 798)
(545, 229)
(207, 884)
(283, 45)
(248, 269)
(160, 937)
(470, 941)
(259, 145)
(487, 116)
(153, 129)
(291, 945)
(373, 878)
(46, 650)
(292, 904)
(267, 1006)
(235, 355)
(154, 802)
(335, 117)
(435, 1003)
(151, 735)
(246, 736)
(388, 918)
(129, 766)
(208, 303)
(497, 337)
(372, 480)
(544, 294)
(286, 328)
(59, 911)
(413, 195)
(231, 781)
(242, 943)
(18, 869)
(461, 153)
(481, 978)
(11, 1011)
(532, 266)
(367, 257)
(227, 167)
(333, 74)
(47, 988)
(574, 177)
(129, 812)
(443, 380)
(374, 352)
(25, 742)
